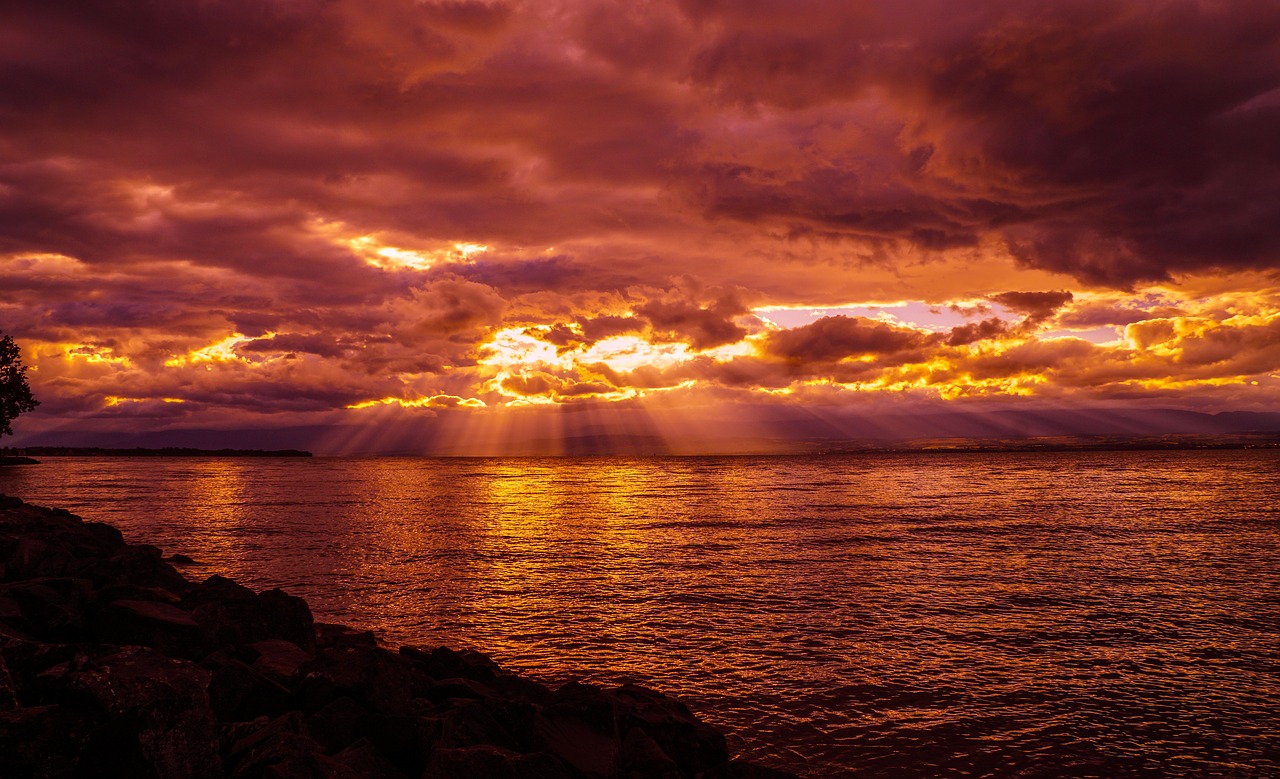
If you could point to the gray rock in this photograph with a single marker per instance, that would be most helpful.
(291, 756)
(8, 692)
(378, 679)
(235, 615)
(336, 725)
(238, 692)
(500, 723)
(160, 702)
(330, 635)
(487, 762)
(642, 758)
(691, 743)
(278, 659)
(365, 759)
(445, 663)
(162, 626)
(40, 742)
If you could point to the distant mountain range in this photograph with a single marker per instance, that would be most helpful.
(168, 451)
(729, 430)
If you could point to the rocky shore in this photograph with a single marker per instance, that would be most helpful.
(112, 663)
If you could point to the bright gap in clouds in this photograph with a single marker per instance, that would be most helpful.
(907, 313)
(936, 318)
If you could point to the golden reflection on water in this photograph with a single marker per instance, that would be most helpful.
(976, 614)
(527, 505)
(215, 491)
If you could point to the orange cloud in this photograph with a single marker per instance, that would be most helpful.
(282, 212)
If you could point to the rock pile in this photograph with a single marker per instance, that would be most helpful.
(113, 664)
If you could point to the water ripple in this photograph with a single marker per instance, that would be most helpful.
(1022, 615)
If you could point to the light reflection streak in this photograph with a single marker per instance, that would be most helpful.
(855, 608)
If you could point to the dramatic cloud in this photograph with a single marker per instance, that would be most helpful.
(321, 213)
(701, 328)
(1036, 305)
(834, 338)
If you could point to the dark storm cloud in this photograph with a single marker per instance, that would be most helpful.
(1113, 141)
(700, 327)
(311, 343)
(962, 335)
(520, 276)
(1035, 305)
(542, 273)
(1116, 141)
(837, 337)
(607, 326)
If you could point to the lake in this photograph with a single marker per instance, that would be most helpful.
(928, 615)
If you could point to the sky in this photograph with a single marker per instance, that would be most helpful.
(459, 225)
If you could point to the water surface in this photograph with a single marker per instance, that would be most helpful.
(1029, 615)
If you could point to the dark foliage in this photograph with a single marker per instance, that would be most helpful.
(15, 395)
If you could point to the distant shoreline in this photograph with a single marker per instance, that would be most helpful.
(15, 460)
(168, 451)
(603, 447)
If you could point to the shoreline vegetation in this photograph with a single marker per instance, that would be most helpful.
(113, 663)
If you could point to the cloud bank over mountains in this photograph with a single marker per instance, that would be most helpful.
(306, 213)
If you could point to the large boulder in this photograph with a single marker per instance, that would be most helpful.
(8, 692)
(489, 762)
(31, 558)
(51, 608)
(445, 663)
(641, 758)
(41, 742)
(500, 723)
(378, 679)
(237, 616)
(278, 659)
(154, 711)
(331, 635)
(171, 629)
(365, 759)
(140, 565)
(279, 748)
(337, 724)
(239, 692)
(579, 726)
(292, 756)
(407, 740)
(691, 743)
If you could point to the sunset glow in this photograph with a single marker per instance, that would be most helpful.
(427, 213)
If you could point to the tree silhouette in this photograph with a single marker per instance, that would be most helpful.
(15, 395)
